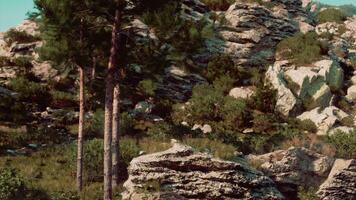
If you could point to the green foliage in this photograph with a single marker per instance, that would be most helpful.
(14, 35)
(224, 83)
(307, 193)
(12, 110)
(221, 65)
(331, 15)
(147, 87)
(264, 99)
(220, 5)
(345, 144)
(62, 99)
(30, 91)
(12, 186)
(94, 157)
(301, 48)
(95, 125)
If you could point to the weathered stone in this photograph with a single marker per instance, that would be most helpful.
(351, 92)
(286, 101)
(324, 119)
(341, 183)
(241, 92)
(293, 168)
(177, 84)
(206, 128)
(194, 175)
(332, 73)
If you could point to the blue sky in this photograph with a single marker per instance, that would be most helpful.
(12, 12)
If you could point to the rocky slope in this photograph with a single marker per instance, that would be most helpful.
(193, 175)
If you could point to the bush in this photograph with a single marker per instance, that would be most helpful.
(331, 15)
(307, 193)
(94, 157)
(345, 144)
(14, 35)
(301, 48)
(147, 87)
(63, 99)
(221, 65)
(30, 91)
(12, 186)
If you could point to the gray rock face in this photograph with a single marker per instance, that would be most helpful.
(294, 167)
(252, 31)
(177, 84)
(341, 183)
(198, 176)
(324, 119)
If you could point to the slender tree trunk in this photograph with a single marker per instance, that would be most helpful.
(109, 111)
(80, 131)
(81, 121)
(115, 132)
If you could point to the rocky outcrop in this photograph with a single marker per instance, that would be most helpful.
(341, 183)
(252, 30)
(293, 168)
(324, 119)
(194, 175)
(178, 84)
(311, 86)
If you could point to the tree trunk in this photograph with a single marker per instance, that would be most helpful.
(109, 110)
(115, 132)
(80, 131)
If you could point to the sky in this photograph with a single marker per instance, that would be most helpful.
(13, 12)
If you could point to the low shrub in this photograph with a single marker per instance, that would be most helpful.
(30, 91)
(221, 65)
(63, 99)
(345, 144)
(307, 193)
(147, 87)
(331, 15)
(14, 35)
(12, 186)
(301, 48)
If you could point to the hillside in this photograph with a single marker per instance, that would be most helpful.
(218, 99)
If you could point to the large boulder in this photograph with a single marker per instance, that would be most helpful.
(194, 175)
(286, 101)
(293, 168)
(341, 183)
(324, 119)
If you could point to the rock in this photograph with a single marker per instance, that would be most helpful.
(44, 71)
(324, 119)
(206, 128)
(351, 92)
(194, 175)
(305, 27)
(286, 101)
(332, 73)
(24, 48)
(353, 80)
(343, 129)
(143, 107)
(241, 92)
(341, 183)
(252, 31)
(177, 84)
(30, 27)
(328, 27)
(350, 33)
(294, 167)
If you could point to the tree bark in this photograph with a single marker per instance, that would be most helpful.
(109, 110)
(116, 132)
(80, 131)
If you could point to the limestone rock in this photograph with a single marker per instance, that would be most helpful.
(286, 101)
(197, 176)
(305, 27)
(324, 119)
(341, 183)
(351, 92)
(44, 71)
(206, 128)
(241, 92)
(178, 84)
(294, 167)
